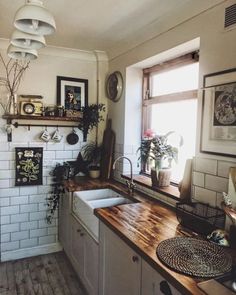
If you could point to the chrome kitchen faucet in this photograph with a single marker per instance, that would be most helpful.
(130, 184)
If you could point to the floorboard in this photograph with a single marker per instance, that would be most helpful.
(50, 274)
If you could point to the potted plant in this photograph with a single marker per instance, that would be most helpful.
(91, 153)
(91, 118)
(156, 150)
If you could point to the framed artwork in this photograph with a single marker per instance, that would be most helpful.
(29, 166)
(218, 126)
(72, 93)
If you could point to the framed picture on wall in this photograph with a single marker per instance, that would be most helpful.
(218, 126)
(72, 94)
(29, 166)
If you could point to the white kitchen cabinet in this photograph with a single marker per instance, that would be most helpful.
(84, 256)
(153, 283)
(119, 265)
(80, 247)
(65, 222)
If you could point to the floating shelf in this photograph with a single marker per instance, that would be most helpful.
(52, 120)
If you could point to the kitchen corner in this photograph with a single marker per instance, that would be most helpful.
(140, 226)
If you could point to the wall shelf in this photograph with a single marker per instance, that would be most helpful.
(50, 122)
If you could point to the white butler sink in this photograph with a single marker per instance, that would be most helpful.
(84, 202)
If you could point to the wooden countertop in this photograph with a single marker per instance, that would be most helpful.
(142, 225)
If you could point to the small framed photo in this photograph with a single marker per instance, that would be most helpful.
(72, 94)
(218, 130)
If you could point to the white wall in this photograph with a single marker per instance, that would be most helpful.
(217, 53)
(24, 231)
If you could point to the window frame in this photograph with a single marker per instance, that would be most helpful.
(148, 100)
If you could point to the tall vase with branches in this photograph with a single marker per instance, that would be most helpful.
(14, 71)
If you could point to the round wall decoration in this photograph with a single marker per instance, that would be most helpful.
(114, 86)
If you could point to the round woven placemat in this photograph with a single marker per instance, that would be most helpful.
(194, 257)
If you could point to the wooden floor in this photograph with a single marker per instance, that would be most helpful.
(50, 274)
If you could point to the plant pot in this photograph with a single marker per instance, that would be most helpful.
(94, 172)
(164, 177)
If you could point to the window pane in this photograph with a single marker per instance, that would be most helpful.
(181, 117)
(177, 80)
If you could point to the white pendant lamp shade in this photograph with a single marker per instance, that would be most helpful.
(33, 18)
(21, 53)
(24, 40)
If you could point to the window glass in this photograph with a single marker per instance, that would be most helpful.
(180, 79)
(179, 116)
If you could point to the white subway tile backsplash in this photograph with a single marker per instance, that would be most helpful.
(5, 174)
(44, 189)
(55, 146)
(29, 243)
(5, 238)
(4, 201)
(19, 200)
(216, 183)
(49, 155)
(9, 228)
(4, 165)
(38, 232)
(28, 208)
(53, 230)
(4, 183)
(42, 206)
(4, 156)
(63, 155)
(9, 192)
(37, 199)
(5, 219)
(205, 165)
(223, 168)
(9, 246)
(4, 146)
(198, 179)
(28, 190)
(21, 235)
(47, 240)
(205, 196)
(9, 210)
(37, 215)
(22, 217)
(43, 223)
(29, 225)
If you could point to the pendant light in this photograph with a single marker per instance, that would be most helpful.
(21, 53)
(34, 18)
(24, 40)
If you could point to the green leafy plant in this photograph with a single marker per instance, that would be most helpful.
(91, 153)
(158, 150)
(57, 191)
(91, 118)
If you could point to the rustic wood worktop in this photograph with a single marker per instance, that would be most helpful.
(142, 225)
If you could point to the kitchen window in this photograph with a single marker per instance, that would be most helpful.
(170, 104)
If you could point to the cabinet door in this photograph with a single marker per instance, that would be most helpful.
(77, 247)
(119, 265)
(65, 222)
(90, 273)
(153, 283)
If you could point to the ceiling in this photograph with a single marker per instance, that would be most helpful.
(109, 25)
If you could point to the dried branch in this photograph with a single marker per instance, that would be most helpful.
(14, 70)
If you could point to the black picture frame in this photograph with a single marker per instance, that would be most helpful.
(72, 93)
(218, 138)
(29, 166)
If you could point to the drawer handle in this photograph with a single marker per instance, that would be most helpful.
(78, 230)
(135, 258)
(82, 234)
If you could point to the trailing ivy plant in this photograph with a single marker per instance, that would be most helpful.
(57, 190)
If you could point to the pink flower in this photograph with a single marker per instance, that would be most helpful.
(149, 133)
